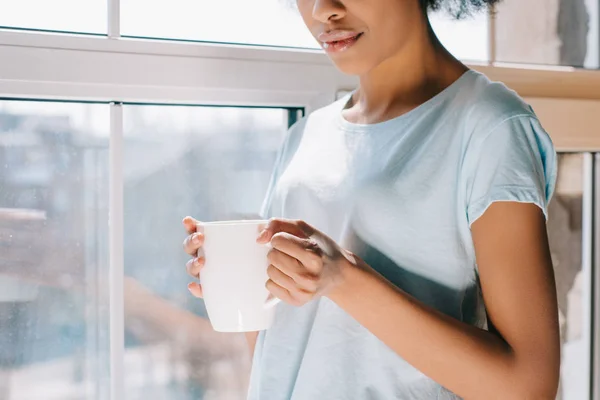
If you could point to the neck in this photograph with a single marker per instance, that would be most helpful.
(419, 71)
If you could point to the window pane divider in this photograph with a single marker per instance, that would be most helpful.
(595, 290)
(587, 260)
(116, 250)
(114, 19)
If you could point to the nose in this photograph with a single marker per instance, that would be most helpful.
(328, 10)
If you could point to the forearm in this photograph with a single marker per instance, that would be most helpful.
(251, 338)
(467, 360)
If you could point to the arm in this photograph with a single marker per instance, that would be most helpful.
(251, 339)
(522, 362)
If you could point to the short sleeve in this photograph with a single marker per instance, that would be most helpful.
(515, 161)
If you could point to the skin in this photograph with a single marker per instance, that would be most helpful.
(398, 42)
(519, 357)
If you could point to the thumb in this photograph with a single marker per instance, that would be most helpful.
(277, 225)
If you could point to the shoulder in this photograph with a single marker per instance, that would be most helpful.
(495, 115)
(491, 104)
(505, 143)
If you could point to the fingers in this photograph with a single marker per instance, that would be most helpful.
(194, 266)
(289, 265)
(195, 239)
(280, 278)
(294, 297)
(281, 284)
(281, 293)
(294, 227)
(289, 273)
(195, 289)
(190, 224)
(306, 251)
(193, 242)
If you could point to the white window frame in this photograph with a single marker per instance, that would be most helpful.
(117, 70)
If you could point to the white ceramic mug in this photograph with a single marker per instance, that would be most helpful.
(234, 276)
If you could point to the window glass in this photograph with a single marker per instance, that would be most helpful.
(550, 32)
(273, 22)
(54, 256)
(82, 16)
(565, 235)
(214, 164)
(264, 22)
(467, 39)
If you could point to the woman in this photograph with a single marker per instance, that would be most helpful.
(413, 261)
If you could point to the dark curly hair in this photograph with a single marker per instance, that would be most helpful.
(457, 8)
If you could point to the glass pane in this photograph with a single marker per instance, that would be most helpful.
(466, 39)
(273, 22)
(214, 164)
(264, 22)
(551, 32)
(565, 235)
(82, 16)
(53, 258)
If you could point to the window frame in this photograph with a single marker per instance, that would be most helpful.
(115, 70)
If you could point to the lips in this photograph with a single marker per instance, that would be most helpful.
(339, 40)
(337, 35)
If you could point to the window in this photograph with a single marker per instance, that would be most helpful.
(550, 32)
(565, 232)
(81, 16)
(54, 257)
(264, 22)
(215, 164)
(467, 39)
(270, 22)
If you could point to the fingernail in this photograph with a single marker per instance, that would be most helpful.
(262, 235)
(199, 261)
(196, 239)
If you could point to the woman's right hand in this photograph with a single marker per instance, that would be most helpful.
(191, 245)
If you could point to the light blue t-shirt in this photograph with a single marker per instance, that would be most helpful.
(401, 194)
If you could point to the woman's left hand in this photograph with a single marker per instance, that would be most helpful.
(304, 263)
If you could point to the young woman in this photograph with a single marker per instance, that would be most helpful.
(413, 259)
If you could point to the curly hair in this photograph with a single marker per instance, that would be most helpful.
(457, 8)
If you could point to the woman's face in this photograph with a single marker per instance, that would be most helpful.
(358, 35)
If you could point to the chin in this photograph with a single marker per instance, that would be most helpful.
(352, 65)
